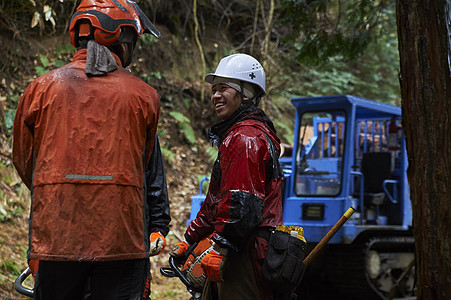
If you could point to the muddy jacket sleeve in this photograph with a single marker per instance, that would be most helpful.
(157, 193)
(244, 156)
(23, 137)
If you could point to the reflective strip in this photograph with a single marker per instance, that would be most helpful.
(89, 177)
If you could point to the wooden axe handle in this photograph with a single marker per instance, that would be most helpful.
(329, 235)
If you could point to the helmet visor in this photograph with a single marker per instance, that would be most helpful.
(148, 26)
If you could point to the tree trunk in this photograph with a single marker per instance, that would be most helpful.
(424, 48)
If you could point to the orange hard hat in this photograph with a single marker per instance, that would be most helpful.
(106, 18)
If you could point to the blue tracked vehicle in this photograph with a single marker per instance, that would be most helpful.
(349, 151)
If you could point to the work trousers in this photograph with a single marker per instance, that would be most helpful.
(112, 280)
(241, 279)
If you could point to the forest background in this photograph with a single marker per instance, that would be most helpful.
(308, 48)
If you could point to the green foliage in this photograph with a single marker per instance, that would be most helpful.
(178, 116)
(44, 60)
(337, 78)
(64, 49)
(149, 77)
(40, 16)
(41, 70)
(10, 114)
(168, 155)
(147, 41)
(184, 124)
(323, 29)
(11, 204)
(161, 132)
(373, 75)
(55, 61)
(287, 131)
(9, 208)
(187, 102)
(10, 111)
(188, 132)
(9, 266)
(212, 152)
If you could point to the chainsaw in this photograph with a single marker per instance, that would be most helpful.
(189, 271)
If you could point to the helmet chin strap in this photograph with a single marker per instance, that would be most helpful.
(242, 90)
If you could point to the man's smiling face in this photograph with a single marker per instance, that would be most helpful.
(225, 100)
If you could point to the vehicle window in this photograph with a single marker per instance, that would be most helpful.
(320, 156)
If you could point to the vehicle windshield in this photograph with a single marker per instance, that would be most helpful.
(320, 154)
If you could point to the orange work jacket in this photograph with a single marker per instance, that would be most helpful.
(82, 144)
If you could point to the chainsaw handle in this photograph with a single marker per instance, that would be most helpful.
(18, 284)
(167, 272)
(174, 271)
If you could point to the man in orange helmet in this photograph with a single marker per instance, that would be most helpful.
(85, 144)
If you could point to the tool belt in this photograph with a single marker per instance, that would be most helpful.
(283, 266)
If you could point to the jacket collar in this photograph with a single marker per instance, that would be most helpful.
(219, 131)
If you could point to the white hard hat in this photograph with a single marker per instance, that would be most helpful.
(241, 67)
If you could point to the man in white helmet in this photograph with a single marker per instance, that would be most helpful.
(244, 198)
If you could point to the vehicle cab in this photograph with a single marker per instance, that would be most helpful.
(347, 151)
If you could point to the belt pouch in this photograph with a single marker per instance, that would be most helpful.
(283, 266)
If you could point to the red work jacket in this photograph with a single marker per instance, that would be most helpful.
(82, 144)
(240, 186)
